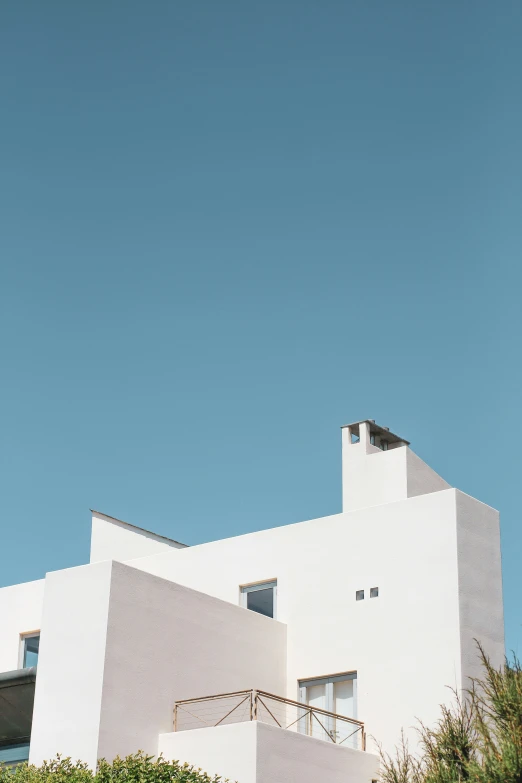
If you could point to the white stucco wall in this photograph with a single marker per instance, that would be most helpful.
(288, 757)
(20, 613)
(229, 751)
(257, 753)
(118, 648)
(480, 584)
(165, 643)
(404, 645)
(372, 477)
(69, 682)
(112, 539)
(421, 479)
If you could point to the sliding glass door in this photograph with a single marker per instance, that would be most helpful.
(336, 694)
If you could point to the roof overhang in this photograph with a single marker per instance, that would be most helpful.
(375, 429)
(16, 703)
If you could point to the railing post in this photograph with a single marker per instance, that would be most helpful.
(175, 717)
(254, 705)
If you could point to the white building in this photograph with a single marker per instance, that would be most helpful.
(368, 614)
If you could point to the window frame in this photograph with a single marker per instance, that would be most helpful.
(328, 681)
(254, 587)
(23, 638)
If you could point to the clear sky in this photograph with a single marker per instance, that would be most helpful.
(229, 227)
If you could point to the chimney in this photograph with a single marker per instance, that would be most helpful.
(370, 476)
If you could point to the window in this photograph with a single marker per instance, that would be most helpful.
(374, 592)
(31, 644)
(338, 694)
(14, 753)
(359, 595)
(260, 598)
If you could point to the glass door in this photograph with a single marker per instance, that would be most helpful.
(344, 704)
(337, 694)
(316, 697)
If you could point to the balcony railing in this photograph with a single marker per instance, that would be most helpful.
(242, 706)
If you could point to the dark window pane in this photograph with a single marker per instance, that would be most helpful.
(359, 595)
(32, 643)
(261, 601)
(14, 753)
(374, 592)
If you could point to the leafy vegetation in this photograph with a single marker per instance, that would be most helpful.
(138, 768)
(477, 740)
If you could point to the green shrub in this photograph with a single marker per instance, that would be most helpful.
(138, 768)
(477, 740)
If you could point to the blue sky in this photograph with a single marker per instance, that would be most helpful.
(229, 228)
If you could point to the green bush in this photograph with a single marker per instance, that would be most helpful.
(138, 768)
(477, 740)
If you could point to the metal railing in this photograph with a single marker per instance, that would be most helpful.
(242, 706)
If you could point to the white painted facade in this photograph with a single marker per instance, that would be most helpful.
(257, 753)
(150, 622)
(20, 614)
(113, 539)
(140, 644)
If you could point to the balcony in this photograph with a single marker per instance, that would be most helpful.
(254, 705)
